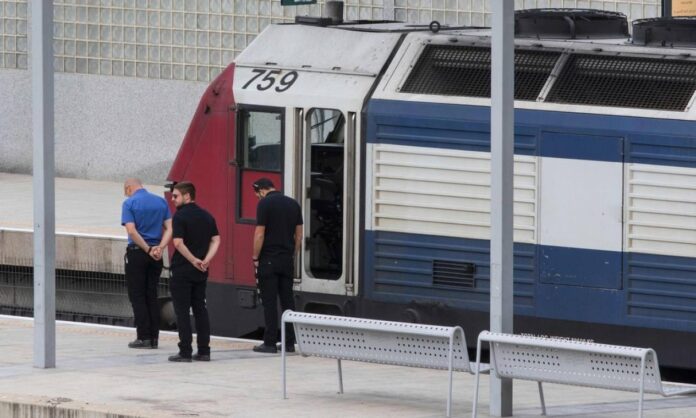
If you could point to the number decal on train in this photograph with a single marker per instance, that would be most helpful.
(270, 78)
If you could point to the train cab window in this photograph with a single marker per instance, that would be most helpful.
(259, 154)
(324, 219)
(261, 140)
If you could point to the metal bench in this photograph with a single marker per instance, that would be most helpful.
(383, 342)
(571, 362)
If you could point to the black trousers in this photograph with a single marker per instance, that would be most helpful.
(142, 277)
(188, 293)
(275, 282)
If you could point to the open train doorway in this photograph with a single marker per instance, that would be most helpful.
(324, 193)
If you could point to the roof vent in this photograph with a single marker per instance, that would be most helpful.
(665, 31)
(570, 24)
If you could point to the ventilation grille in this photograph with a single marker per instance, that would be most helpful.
(453, 273)
(466, 71)
(625, 82)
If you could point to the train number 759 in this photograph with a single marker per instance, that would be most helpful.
(271, 78)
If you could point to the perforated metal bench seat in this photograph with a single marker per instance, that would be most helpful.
(382, 342)
(578, 363)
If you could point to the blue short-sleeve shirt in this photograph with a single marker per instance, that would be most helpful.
(148, 212)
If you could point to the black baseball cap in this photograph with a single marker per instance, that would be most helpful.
(262, 184)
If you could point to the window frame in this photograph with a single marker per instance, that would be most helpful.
(240, 150)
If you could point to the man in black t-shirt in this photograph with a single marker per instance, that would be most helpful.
(277, 237)
(196, 240)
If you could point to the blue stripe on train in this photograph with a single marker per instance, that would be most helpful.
(550, 282)
(537, 132)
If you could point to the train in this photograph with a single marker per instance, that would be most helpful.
(381, 131)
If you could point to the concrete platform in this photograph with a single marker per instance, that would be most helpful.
(82, 206)
(98, 376)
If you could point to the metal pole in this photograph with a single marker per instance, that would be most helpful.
(44, 184)
(502, 149)
(666, 8)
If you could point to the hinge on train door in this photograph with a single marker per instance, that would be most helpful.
(349, 289)
(233, 108)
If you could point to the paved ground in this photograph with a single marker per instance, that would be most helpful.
(97, 372)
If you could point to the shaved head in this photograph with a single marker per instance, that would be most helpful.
(133, 181)
(132, 185)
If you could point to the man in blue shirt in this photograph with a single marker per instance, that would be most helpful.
(148, 222)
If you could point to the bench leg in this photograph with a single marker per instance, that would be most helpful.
(642, 385)
(451, 364)
(340, 377)
(541, 397)
(282, 345)
(478, 375)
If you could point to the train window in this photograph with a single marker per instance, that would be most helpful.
(324, 219)
(259, 154)
(261, 140)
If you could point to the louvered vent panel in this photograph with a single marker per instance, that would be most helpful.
(644, 83)
(452, 70)
(453, 273)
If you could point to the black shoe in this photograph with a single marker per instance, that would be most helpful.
(288, 348)
(178, 358)
(154, 343)
(140, 344)
(201, 357)
(263, 348)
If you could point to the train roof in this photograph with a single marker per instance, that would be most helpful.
(605, 74)
(608, 76)
(323, 67)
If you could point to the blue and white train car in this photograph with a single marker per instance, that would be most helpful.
(382, 132)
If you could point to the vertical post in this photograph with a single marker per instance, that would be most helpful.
(666, 8)
(502, 149)
(44, 184)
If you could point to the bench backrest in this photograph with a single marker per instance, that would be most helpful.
(572, 362)
(376, 341)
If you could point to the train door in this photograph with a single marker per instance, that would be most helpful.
(581, 210)
(327, 187)
(259, 153)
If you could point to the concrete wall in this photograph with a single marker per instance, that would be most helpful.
(107, 128)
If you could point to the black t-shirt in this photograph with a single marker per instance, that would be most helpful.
(196, 227)
(280, 215)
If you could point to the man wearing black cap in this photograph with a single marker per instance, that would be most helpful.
(277, 237)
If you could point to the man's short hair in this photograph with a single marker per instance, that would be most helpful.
(262, 184)
(186, 187)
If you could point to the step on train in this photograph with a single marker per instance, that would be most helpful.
(381, 131)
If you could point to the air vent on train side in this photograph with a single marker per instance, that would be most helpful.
(454, 273)
(570, 24)
(636, 82)
(453, 70)
(667, 31)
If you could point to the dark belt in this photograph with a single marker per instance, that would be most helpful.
(132, 247)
